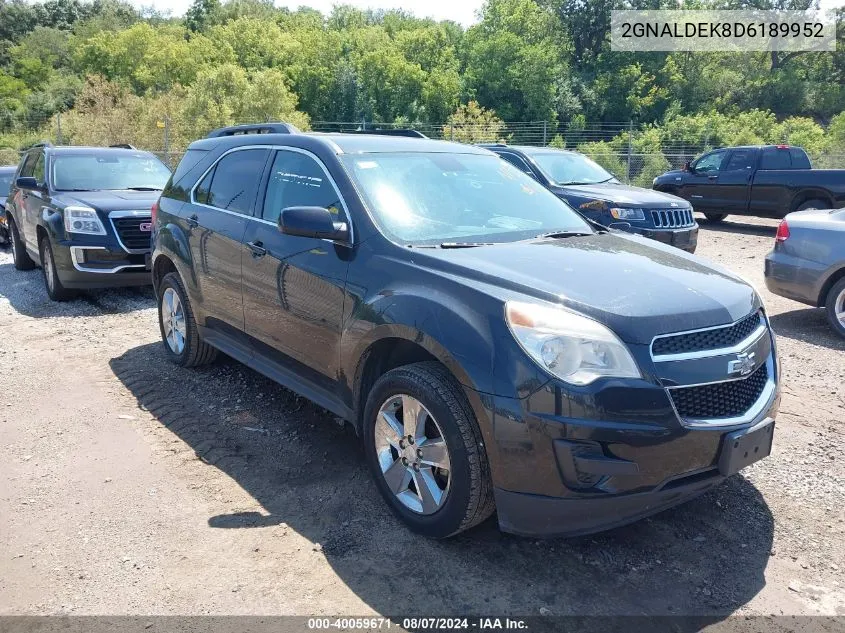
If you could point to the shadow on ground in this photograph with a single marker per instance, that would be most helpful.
(738, 226)
(706, 557)
(808, 325)
(27, 294)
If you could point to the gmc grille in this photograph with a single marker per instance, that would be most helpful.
(720, 400)
(130, 233)
(717, 338)
(672, 218)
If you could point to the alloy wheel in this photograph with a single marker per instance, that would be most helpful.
(413, 454)
(173, 320)
(839, 308)
(49, 269)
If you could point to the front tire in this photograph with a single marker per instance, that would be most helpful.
(55, 289)
(179, 332)
(715, 218)
(21, 258)
(425, 451)
(835, 306)
(813, 204)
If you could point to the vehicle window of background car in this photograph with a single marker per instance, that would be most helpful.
(569, 168)
(108, 171)
(710, 162)
(740, 160)
(6, 183)
(296, 180)
(774, 158)
(234, 183)
(38, 169)
(420, 198)
(517, 162)
(800, 160)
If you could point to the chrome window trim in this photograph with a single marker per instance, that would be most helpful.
(759, 407)
(140, 213)
(75, 251)
(254, 218)
(709, 352)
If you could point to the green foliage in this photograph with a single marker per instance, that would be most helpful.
(471, 123)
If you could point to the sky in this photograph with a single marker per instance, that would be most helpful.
(461, 11)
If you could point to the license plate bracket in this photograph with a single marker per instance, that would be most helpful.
(746, 446)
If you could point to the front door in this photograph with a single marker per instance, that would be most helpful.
(294, 286)
(215, 220)
(734, 183)
(699, 184)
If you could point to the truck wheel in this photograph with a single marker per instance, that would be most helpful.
(835, 306)
(715, 218)
(21, 258)
(179, 331)
(55, 290)
(424, 448)
(813, 204)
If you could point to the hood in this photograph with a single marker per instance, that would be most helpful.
(623, 195)
(110, 200)
(631, 284)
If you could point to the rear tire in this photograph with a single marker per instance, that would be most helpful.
(179, 331)
(835, 306)
(715, 218)
(55, 289)
(813, 204)
(21, 258)
(462, 492)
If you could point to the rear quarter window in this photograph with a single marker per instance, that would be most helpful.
(188, 162)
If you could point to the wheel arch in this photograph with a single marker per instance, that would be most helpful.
(829, 282)
(805, 195)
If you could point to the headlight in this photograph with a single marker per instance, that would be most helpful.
(83, 220)
(574, 348)
(627, 214)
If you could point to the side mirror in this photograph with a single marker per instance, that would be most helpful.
(316, 222)
(688, 167)
(27, 182)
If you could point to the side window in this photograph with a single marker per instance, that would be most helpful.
(710, 162)
(740, 160)
(234, 183)
(201, 192)
(774, 158)
(28, 165)
(38, 169)
(517, 162)
(297, 180)
(800, 160)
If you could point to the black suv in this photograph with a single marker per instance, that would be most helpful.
(598, 195)
(84, 214)
(491, 348)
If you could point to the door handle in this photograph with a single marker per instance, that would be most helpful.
(257, 249)
(193, 221)
(712, 177)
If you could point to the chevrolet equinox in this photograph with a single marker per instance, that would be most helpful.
(493, 350)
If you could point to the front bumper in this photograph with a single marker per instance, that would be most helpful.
(86, 266)
(685, 239)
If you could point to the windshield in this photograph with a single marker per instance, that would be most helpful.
(108, 170)
(6, 183)
(571, 169)
(434, 198)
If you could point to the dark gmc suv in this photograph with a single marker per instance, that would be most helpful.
(493, 351)
(598, 195)
(83, 214)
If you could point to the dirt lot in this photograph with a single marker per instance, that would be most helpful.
(130, 486)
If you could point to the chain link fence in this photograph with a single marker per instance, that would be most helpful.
(616, 146)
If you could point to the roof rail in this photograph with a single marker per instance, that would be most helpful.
(40, 144)
(391, 132)
(123, 146)
(254, 128)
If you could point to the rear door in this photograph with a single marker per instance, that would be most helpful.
(733, 186)
(216, 218)
(294, 286)
(771, 193)
(699, 184)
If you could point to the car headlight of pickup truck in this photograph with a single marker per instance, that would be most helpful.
(627, 214)
(572, 347)
(83, 220)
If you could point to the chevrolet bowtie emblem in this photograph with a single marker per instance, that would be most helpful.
(743, 365)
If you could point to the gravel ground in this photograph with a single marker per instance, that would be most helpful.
(129, 486)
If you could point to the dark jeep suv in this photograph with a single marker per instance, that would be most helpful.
(598, 195)
(493, 350)
(84, 214)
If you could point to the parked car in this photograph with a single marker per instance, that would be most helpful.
(764, 180)
(491, 348)
(807, 263)
(598, 195)
(83, 214)
(7, 173)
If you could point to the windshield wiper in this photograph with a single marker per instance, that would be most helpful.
(143, 188)
(561, 234)
(464, 244)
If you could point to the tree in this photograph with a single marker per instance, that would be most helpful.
(202, 14)
(471, 123)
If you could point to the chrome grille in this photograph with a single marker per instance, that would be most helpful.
(716, 338)
(129, 232)
(720, 400)
(672, 218)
